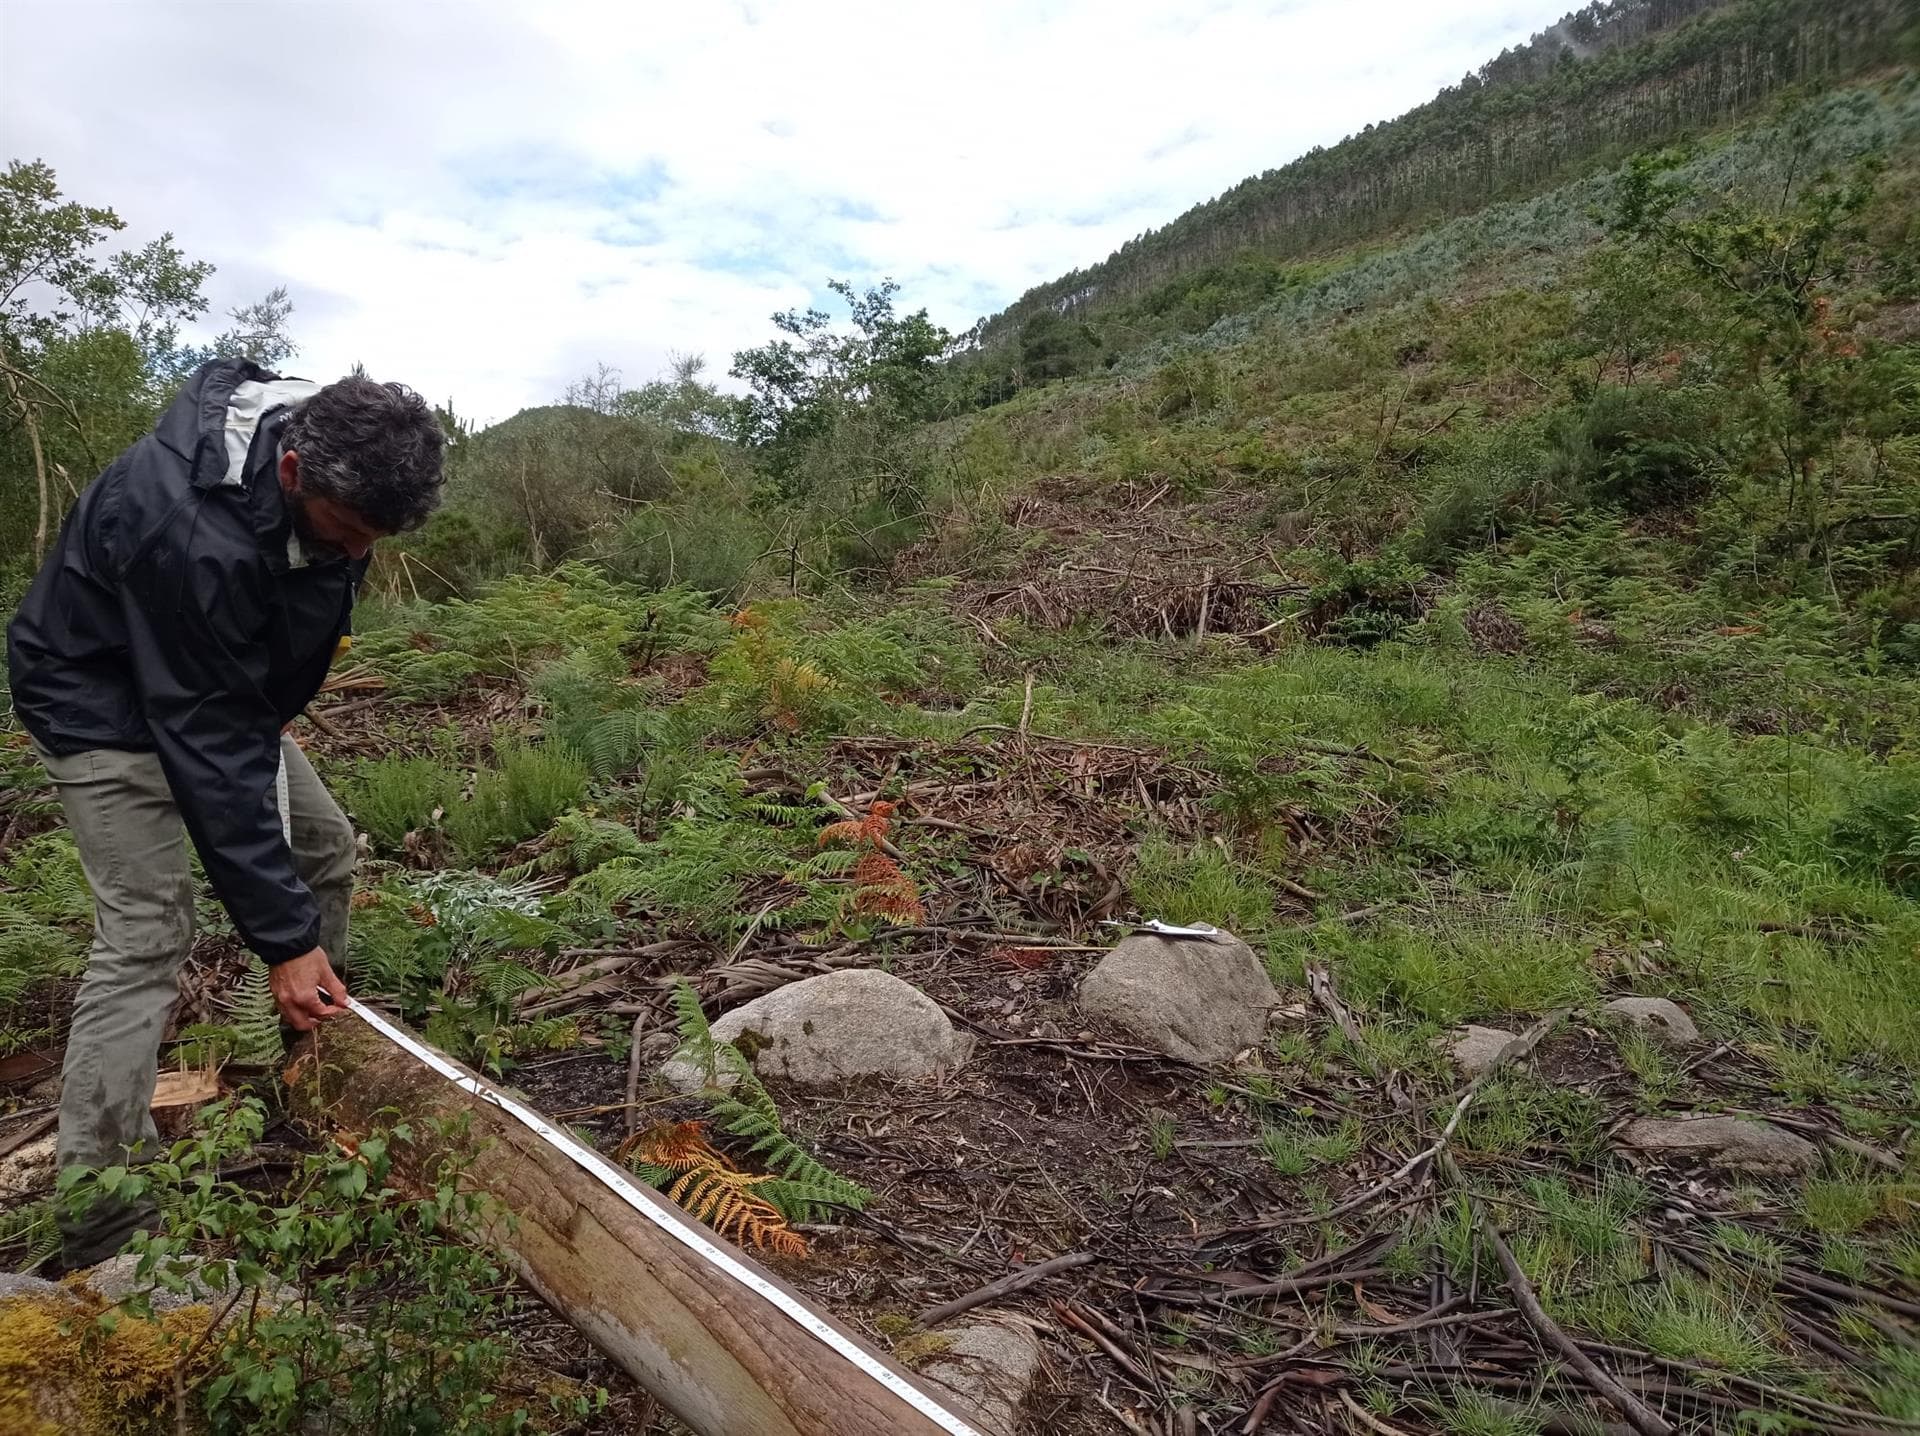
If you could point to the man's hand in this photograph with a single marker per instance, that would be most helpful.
(297, 984)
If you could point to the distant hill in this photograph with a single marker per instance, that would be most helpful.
(542, 418)
(1615, 77)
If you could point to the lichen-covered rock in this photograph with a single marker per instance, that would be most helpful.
(988, 1367)
(1737, 1144)
(836, 1028)
(1475, 1049)
(1662, 1020)
(1201, 1000)
(117, 1278)
(13, 1284)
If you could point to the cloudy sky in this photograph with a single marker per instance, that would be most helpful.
(484, 198)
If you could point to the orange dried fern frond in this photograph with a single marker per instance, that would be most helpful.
(867, 832)
(725, 1200)
(692, 1172)
(677, 1146)
(882, 889)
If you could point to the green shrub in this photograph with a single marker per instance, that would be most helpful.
(355, 1302)
(1879, 831)
(519, 799)
(1638, 449)
(1481, 484)
(391, 797)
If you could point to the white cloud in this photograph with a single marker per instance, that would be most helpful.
(484, 198)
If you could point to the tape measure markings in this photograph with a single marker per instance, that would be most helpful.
(687, 1235)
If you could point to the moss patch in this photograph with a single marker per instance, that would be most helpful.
(63, 1372)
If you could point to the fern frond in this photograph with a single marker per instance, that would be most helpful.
(867, 832)
(44, 877)
(252, 1028)
(32, 951)
(501, 980)
(615, 742)
(745, 1109)
(811, 1200)
(883, 890)
(786, 815)
(31, 1227)
(832, 863)
(696, 1036)
(519, 872)
(582, 842)
(546, 1034)
(677, 1158)
(676, 1147)
(726, 1201)
(819, 907)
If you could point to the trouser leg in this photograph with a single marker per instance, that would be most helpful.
(132, 845)
(323, 850)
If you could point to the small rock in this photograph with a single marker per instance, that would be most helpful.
(32, 1288)
(1474, 1049)
(836, 1028)
(1201, 1000)
(988, 1368)
(1736, 1143)
(29, 1170)
(1662, 1020)
(116, 1278)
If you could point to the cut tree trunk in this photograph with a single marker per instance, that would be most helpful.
(725, 1358)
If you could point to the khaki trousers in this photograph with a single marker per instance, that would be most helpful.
(133, 846)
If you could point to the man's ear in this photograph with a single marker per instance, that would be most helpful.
(290, 472)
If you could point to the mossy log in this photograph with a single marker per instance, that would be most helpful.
(725, 1358)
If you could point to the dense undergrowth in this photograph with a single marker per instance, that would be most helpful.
(1521, 844)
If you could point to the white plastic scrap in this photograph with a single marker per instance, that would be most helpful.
(1166, 929)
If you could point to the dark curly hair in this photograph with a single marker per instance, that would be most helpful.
(374, 448)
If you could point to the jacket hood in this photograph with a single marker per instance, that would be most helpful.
(193, 425)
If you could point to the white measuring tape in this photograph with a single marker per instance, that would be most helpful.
(687, 1235)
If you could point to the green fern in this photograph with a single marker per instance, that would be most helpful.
(696, 1035)
(20, 1039)
(32, 952)
(45, 879)
(391, 797)
(253, 1017)
(712, 872)
(788, 815)
(582, 842)
(615, 742)
(501, 980)
(740, 1106)
(545, 1034)
(250, 1033)
(30, 1229)
(828, 863)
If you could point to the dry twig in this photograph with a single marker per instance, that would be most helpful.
(1645, 1419)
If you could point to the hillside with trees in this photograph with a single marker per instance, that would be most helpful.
(1477, 566)
(1612, 78)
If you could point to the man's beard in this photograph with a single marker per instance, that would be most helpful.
(302, 521)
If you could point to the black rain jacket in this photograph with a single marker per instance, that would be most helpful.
(178, 614)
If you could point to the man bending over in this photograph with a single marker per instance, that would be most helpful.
(188, 612)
